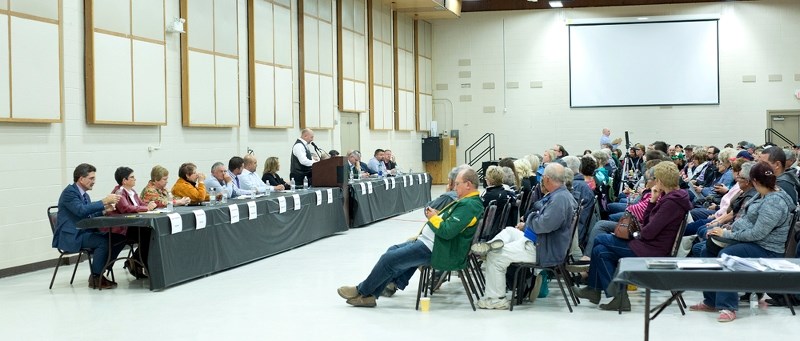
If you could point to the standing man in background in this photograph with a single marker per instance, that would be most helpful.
(606, 139)
(302, 158)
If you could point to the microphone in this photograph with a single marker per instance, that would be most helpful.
(322, 154)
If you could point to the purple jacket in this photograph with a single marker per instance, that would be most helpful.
(660, 225)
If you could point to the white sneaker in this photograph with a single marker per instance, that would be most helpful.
(493, 303)
(483, 247)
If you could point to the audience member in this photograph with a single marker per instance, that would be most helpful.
(497, 193)
(543, 238)
(788, 182)
(450, 194)
(665, 212)
(443, 243)
(509, 163)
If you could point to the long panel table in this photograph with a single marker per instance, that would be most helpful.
(634, 271)
(192, 253)
(375, 199)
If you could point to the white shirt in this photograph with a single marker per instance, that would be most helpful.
(237, 191)
(248, 180)
(213, 182)
(299, 150)
(427, 237)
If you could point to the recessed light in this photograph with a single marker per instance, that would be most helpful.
(556, 4)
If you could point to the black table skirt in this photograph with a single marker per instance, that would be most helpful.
(407, 195)
(192, 253)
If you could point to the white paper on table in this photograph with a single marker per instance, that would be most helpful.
(281, 204)
(252, 210)
(419, 178)
(394, 183)
(296, 199)
(386, 184)
(200, 218)
(330, 195)
(426, 178)
(176, 222)
(319, 197)
(369, 187)
(363, 189)
(411, 180)
(234, 213)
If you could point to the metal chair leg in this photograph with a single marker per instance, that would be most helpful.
(561, 286)
(464, 281)
(58, 264)
(77, 261)
(789, 303)
(423, 285)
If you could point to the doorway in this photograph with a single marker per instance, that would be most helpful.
(786, 123)
(350, 132)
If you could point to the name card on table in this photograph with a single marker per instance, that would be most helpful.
(411, 180)
(425, 176)
(281, 204)
(394, 183)
(369, 187)
(234, 213)
(330, 195)
(386, 184)
(296, 199)
(319, 197)
(175, 222)
(252, 210)
(419, 178)
(200, 218)
(363, 189)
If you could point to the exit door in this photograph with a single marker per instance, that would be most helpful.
(787, 124)
(351, 132)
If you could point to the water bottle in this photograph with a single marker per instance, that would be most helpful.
(305, 183)
(170, 199)
(380, 173)
(753, 303)
(291, 183)
(224, 199)
(212, 196)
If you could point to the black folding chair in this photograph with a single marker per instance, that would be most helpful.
(52, 215)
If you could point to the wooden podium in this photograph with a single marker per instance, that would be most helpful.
(330, 172)
(440, 169)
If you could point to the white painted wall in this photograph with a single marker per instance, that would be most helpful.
(756, 38)
(37, 160)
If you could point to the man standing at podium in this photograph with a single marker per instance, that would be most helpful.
(302, 158)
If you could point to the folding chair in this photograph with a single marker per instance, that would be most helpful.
(52, 215)
(676, 295)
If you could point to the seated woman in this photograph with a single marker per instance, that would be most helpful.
(702, 215)
(156, 189)
(723, 179)
(190, 184)
(129, 202)
(666, 210)
(761, 232)
(271, 177)
(588, 166)
(524, 174)
(495, 191)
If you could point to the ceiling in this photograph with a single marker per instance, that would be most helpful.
(505, 5)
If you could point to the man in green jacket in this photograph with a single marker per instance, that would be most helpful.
(443, 243)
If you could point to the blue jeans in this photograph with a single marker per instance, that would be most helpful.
(615, 216)
(601, 227)
(695, 226)
(730, 300)
(616, 207)
(397, 265)
(98, 242)
(700, 213)
(605, 257)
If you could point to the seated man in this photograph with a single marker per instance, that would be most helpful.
(443, 243)
(388, 162)
(545, 239)
(74, 205)
(249, 180)
(220, 180)
(376, 162)
(447, 197)
(356, 170)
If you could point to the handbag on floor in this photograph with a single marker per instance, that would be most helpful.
(626, 226)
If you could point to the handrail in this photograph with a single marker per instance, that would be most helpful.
(468, 157)
(768, 136)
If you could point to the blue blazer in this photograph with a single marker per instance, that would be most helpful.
(71, 209)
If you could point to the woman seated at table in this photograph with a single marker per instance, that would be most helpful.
(129, 202)
(760, 232)
(271, 177)
(156, 189)
(666, 210)
(495, 191)
(190, 184)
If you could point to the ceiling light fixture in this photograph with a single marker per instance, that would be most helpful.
(556, 4)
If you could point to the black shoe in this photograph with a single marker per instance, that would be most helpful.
(777, 302)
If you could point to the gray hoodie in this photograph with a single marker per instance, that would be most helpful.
(765, 222)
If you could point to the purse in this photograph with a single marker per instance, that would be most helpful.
(626, 226)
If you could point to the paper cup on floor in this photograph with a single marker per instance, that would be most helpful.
(425, 304)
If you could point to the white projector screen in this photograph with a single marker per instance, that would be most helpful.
(644, 64)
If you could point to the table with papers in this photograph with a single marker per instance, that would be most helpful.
(375, 199)
(192, 242)
(635, 271)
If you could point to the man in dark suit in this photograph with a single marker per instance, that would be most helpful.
(75, 205)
